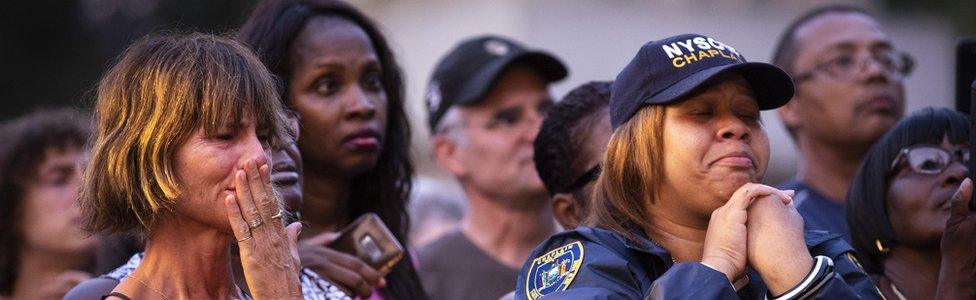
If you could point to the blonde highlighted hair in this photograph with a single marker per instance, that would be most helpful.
(632, 173)
(161, 90)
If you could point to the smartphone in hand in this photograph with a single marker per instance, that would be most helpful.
(369, 239)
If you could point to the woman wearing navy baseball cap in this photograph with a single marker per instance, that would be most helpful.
(678, 210)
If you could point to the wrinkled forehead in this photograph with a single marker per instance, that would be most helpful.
(840, 30)
(529, 101)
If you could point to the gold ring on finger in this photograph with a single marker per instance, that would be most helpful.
(277, 215)
(255, 223)
(244, 239)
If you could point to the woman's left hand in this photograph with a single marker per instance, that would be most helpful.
(349, 272)
(958, 271)
(775, 244)
(269, 254)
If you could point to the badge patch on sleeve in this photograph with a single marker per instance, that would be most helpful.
(553, 271)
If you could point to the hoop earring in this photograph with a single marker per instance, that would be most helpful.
(881, 248)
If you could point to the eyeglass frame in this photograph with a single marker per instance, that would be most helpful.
(589, 176)
(494, 123)
(903, 153)
(904, 71)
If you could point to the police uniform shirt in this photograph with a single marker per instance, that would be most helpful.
(819, 212)
(594, 263)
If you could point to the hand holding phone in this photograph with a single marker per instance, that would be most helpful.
(354, 259)
(369, 239)
(348, 272)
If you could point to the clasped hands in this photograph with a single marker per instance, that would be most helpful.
(760, 228)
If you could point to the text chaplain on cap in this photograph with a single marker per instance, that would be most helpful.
(667, 70)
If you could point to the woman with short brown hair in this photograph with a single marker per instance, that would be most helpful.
(184, 126)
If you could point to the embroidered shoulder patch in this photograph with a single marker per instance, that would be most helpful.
(553, 271)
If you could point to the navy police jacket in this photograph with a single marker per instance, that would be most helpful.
(594, 263)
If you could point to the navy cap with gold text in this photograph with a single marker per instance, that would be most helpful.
(670, 69)
(466, 74)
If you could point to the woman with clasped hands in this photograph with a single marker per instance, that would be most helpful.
(678, 212)
(184, 127)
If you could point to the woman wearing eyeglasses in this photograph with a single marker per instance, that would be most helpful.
(908, 209)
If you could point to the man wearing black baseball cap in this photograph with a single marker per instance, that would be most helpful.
(486, 100)
(678, 211)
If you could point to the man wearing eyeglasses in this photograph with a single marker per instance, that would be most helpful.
(849, 92)
(485, 101)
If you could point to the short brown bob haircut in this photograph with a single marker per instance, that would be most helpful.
(161, 90)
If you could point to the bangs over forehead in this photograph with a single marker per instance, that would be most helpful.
(928, 126)
(162, 89)
(866, 204)
(247, 98)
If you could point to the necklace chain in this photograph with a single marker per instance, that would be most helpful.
(243, 295)
(147, 285)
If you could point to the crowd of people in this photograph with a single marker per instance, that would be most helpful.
(219, 167)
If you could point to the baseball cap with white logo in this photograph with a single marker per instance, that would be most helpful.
(670, 69)
(466, 74)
